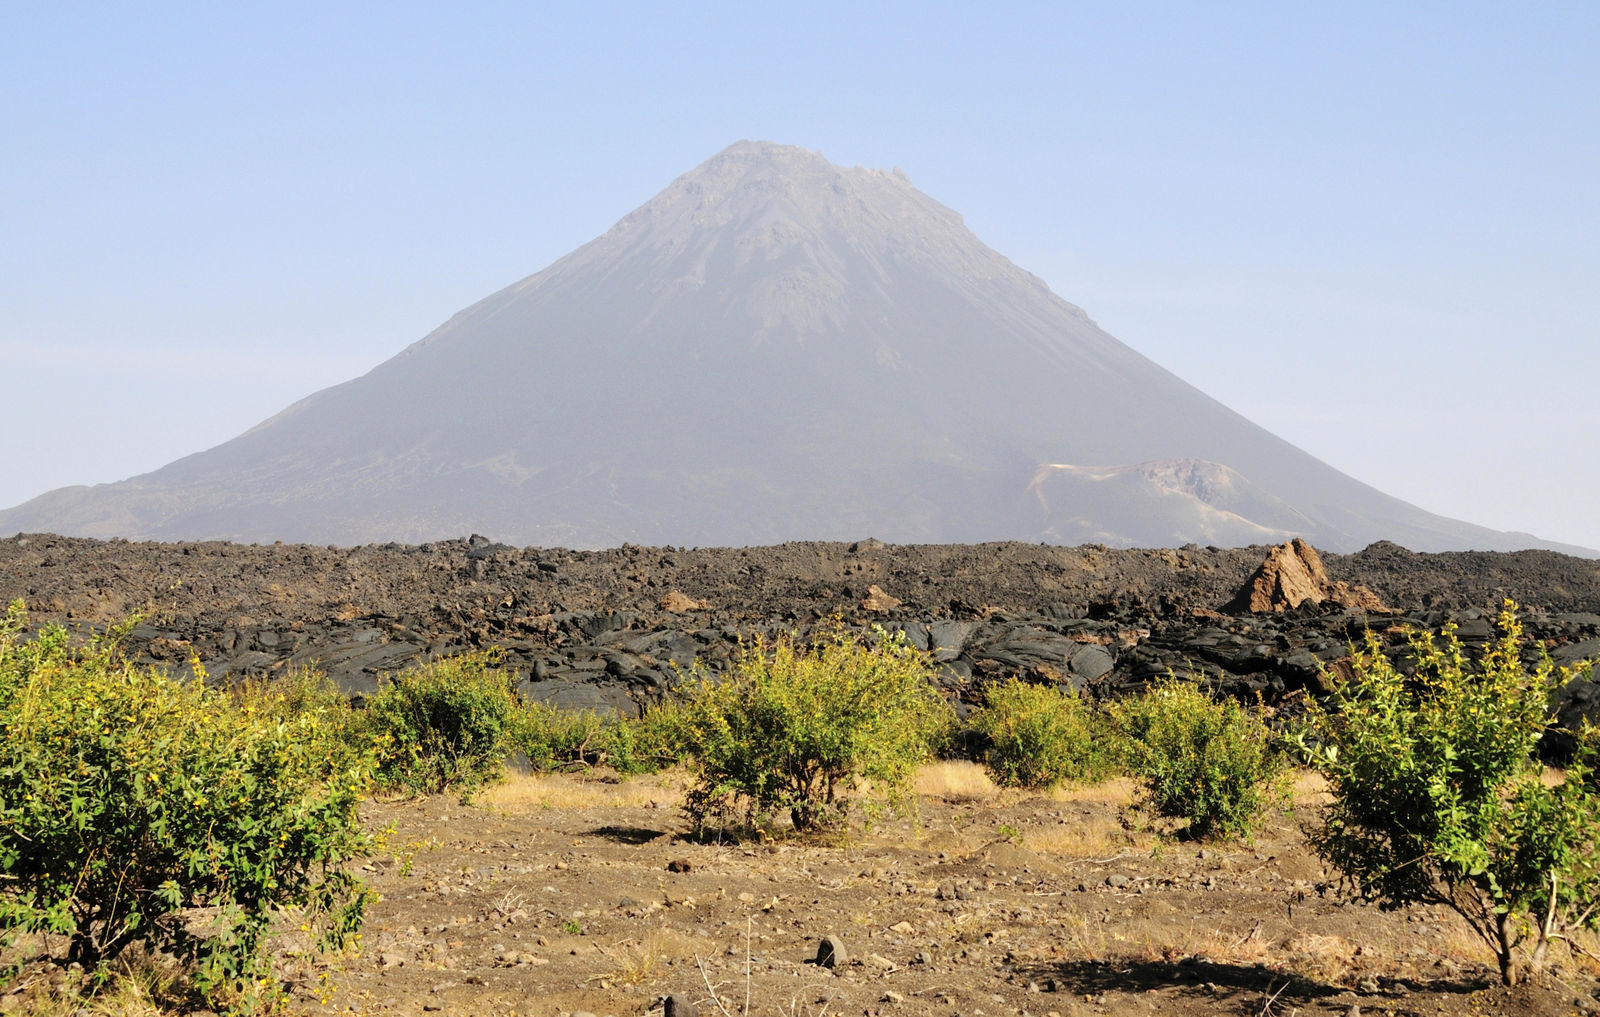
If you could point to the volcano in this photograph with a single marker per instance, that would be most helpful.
(772, 348)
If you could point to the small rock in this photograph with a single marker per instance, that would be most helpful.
(880, 962)
(679, 1005)
(1117, 880)
(831, 953)
(1368, 985)
(892, 996)
(903, 928)
(680, 865)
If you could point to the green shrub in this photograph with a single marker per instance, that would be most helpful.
(655, 740)
(806, 730)
(555, 739)
(445, 725)
(343, 735)
(1040, 735)
(1438, 796)
(552, 738)
(1209, 761)
(128, 798)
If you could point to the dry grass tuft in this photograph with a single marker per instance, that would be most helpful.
(1585, 952)
(640, 960)
(1118, 791)
(1090, 837)
(1324, 958)
(529, 792)
(956, 780)
(1089, 938)
(1328, 959)
(1226, 946)
(140, 986)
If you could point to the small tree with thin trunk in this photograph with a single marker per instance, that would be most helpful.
(812, 731)
(1439, 796)
(135, 808)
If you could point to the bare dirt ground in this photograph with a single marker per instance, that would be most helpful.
(556, 895)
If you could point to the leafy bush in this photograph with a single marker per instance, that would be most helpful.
(655, 740)
(1209, 761)
(801, 729)
(444, 725)
(341, 734)
(128, 798)
(1438, 796)
(552, 738)
(1040, 735)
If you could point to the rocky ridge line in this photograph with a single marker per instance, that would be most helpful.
(614, 629)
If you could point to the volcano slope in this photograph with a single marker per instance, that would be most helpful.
(773, 347)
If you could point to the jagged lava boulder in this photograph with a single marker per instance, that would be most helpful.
(1293, 574)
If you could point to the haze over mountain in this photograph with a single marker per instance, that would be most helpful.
(772, 348)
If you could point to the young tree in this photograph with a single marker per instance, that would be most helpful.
(1040, 735)
(1439, 797)
(1209, 760)
(811, 730)
(129, 800)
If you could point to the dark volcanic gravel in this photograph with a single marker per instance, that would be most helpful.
(594, 628)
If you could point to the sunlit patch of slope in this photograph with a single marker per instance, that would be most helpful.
(1188, 500)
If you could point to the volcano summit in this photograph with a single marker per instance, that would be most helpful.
(772, 348)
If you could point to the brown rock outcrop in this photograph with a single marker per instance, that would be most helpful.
(1293, 574)
(878, 602)
(678, 602)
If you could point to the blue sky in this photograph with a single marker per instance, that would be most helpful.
(1372, 228)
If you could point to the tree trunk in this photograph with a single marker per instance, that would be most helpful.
(1541, 947)
(81, 951)
(1506, 937)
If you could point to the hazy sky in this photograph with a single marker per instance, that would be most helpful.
(1373, 228)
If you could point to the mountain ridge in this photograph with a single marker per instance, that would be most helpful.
(771, 348)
